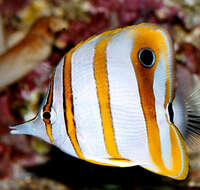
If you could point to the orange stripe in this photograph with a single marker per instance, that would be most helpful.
(176, 158)
(68, 105)
(173, 83)
(101, 77)
(167, 88)
(145, 83)
(113, 162)
(47, 108)
(170, 86)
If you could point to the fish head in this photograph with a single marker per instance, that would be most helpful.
(49, 122)
(40, 126)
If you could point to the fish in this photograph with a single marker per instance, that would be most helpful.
(112, 101)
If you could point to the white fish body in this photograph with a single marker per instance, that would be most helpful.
(110, 102)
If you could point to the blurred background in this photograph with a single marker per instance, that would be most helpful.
(34, 35)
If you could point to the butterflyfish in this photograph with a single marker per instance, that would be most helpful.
(112, 101)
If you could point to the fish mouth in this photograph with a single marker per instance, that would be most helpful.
(23, 128)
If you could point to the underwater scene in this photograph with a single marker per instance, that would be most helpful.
(99, 94)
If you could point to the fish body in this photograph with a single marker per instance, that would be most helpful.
(111, 102)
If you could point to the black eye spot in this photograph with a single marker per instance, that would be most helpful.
(171, 113)
(146, 57)
(46, 115)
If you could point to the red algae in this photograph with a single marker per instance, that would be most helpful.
(7, 117)
(16, 150)
(10, 7)
(79, 30)
(190, 56)
(5, 161)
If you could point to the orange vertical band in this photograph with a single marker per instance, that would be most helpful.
(47, 108)
(68, 105)
(145, 84)
(101, 77)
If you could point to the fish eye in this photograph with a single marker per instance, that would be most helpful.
(46, 115)
(170, 112)
(146, 57)
(51, 116)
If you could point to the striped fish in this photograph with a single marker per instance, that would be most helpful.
(111, 101)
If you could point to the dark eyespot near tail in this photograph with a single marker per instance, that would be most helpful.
(146, 57)
(46, 115)
(170, 113)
